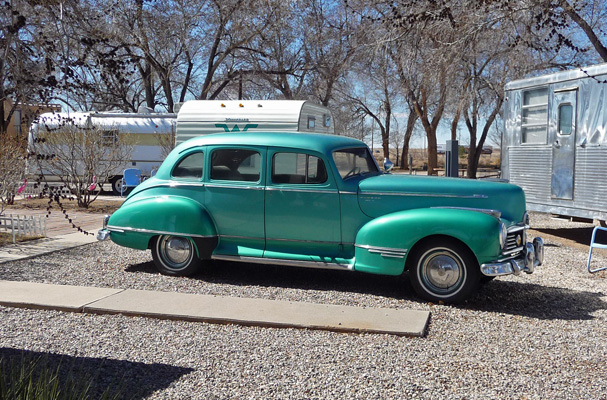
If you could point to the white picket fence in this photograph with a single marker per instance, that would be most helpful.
(23, 225)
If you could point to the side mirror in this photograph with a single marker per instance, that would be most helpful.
(388, 165)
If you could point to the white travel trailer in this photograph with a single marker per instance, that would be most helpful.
(144, 130)
(555, 141)
(200, 117)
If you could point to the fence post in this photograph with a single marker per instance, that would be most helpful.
(13, 227)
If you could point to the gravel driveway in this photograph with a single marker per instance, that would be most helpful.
(537, 336)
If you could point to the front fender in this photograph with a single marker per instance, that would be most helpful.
(137, 221)
(383, 244)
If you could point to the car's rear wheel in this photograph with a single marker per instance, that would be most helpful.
(175, 255)
(445, 271)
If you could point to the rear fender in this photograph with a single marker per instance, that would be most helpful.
(383, 244)
(138, 221)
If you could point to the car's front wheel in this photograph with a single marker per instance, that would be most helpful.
(175, 255)
(445, 271)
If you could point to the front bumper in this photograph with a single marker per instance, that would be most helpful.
(104, 233)
(531, 257)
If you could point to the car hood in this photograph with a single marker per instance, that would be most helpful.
(385, 194)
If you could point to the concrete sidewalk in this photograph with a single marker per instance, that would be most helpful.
(213, 309)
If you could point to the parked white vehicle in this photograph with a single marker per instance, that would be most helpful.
(144, 131)
(555, 141)
(200, 117)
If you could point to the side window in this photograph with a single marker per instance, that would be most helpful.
(235, 165)
(298, 168)
(190, 167)
(534, 127)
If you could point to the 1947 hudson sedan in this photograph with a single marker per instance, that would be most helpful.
(321, 201)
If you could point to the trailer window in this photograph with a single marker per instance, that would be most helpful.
(565, 119)
(110, 137)
(534, 128)
(311, 123)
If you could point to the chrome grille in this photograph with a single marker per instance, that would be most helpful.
(515, 241)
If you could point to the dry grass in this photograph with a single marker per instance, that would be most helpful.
(7, 238)
(97, 207)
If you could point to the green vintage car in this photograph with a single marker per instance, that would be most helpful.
(322, 201)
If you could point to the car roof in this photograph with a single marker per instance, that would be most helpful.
(306, 141)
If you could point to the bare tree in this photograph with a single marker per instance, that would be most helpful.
(331, 41)
(12, 166)
(25, 60)
(82, 156)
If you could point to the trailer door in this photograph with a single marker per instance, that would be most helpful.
(563, 149)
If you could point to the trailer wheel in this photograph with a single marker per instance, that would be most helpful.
(116, 185)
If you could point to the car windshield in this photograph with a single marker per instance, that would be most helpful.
(354, 162)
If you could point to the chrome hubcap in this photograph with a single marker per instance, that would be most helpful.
(442, 271)
(176, 251)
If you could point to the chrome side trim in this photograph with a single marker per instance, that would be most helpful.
(493, 213)
(141, 230)
(249, 187)
(303, 241)
(283, 189)
(280, 261)
(384, 251)
(451, 196)
(180, 183)
(348, 193)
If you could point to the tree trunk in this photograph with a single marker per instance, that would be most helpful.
(474, 155)
(588, 31)
(411, 119)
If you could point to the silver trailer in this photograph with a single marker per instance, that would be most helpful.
(201, 117)
(555, 141)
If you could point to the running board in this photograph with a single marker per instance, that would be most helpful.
(289, 263)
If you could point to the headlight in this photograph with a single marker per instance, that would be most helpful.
(503, 234)
(526, 219)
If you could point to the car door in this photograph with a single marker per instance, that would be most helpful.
(235, 199)
(302, 214)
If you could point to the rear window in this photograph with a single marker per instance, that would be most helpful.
(190, 167)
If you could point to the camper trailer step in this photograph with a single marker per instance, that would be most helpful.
(593, 246)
